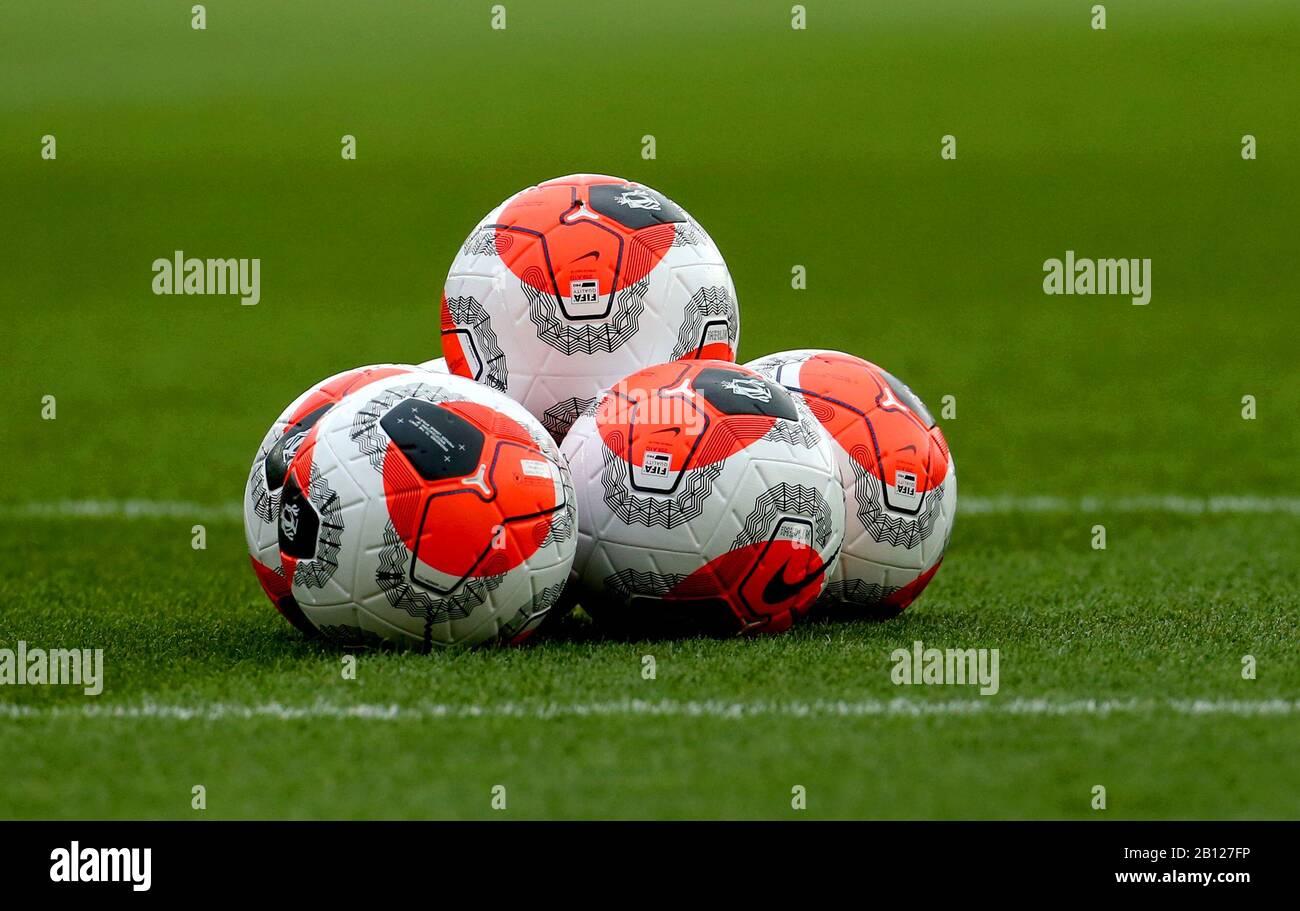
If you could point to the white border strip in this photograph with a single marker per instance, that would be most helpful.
(667, 708)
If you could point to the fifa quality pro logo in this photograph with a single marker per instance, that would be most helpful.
(905, 483)
(584, 291)
(656, 463)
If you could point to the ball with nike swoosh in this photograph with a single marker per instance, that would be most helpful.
(568, 286)
(708, 501)
(900, 480)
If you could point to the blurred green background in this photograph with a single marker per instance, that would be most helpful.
(819, 148)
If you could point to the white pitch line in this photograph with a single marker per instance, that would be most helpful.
(124, 509)
(667, 708)
(966, 506)
(1190, 506)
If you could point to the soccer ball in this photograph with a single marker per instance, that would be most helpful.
(899, 478)
(437, 365)
(570, 285)
(427, 510)
(266, 478)
(708, 502)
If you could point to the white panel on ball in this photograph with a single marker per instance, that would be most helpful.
(570, 285)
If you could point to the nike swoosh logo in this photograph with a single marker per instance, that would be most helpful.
(778, 591)
(673, 430)
(594, 253)
(907, 447)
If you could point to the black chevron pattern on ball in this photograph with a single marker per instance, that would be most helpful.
(394, 580)
(266, 503)
(802, 433)
(342, 634)
(684, 506)
(771, 365)
(468, 314)
(884, 526)
(786, 499)
(564, 523)
(586, 338)
(543, 602)
(705, 303)
(314, 573)
(560, 416)
(628, 582)
(483, 242)
(857, 591)
(690, 234)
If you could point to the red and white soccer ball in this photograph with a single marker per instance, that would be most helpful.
(708, 502)
(900, 480)
(570, 285)
(427, 510)
(270, 466)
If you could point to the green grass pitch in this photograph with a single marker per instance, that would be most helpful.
(1119, 667)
